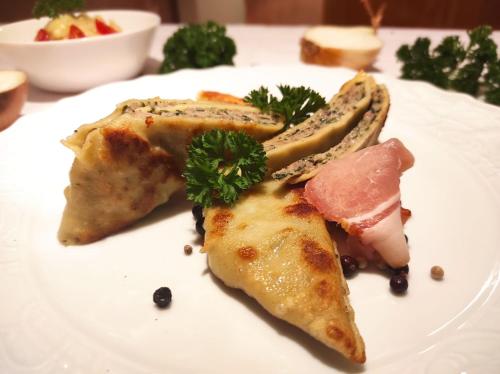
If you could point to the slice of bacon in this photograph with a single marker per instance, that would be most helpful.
(361, 192)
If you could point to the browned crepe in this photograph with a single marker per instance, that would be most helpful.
(275, 246)
(131, 161)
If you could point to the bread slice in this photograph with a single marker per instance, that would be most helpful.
(13, 93)
(354, 47)
(275, 246)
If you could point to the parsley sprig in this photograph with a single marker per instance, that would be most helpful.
(473, 69)
(222, 164)
(53, 8)
(198, 46)
(296, 104)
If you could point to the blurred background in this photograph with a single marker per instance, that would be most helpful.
(405, 13)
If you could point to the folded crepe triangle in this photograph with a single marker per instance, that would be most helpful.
(131, 161)
(275, 246)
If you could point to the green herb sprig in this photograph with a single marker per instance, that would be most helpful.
(222, 164)
(198, 46)
(54, 8)
(296, 104)
(472, 69)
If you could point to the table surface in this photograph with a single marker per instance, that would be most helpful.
(268, 45)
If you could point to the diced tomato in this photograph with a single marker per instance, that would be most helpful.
(102, 28)
(42, 36)
(75, 32)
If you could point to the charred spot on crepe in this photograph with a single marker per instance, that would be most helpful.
(317, 257)
(247, 253)
(300, 208)
(220, 220)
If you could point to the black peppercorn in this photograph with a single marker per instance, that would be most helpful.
(399, 284)
(199, 227)
(404, 270)
(349, 265)
(197, 212)
(162, 297)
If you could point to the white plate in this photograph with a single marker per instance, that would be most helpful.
(89, 309)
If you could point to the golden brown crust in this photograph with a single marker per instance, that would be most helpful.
(247, 253)
(318, 258)
(220, 220)
(220, 97)
(300, 209)
(311, 53)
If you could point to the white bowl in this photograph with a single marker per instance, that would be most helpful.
(78, 64)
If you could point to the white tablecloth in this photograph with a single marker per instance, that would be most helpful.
(279, 45)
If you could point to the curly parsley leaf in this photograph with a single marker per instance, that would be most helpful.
(449, 54)
(295, 106)
(261, 98)
(418, 64)
(472, 69)
(53, 8)
(222, 164)
(198, 46)
(492, 83)
(467, 78)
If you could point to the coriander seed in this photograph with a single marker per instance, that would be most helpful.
(188, 249)
(437, 272)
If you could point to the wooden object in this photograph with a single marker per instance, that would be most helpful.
(166, 9)
(459, 14)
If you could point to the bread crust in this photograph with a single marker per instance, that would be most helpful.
(311, 53)
(11, 103)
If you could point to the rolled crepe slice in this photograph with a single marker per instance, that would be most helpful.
(172, 124)
(364, 134)
(325, 128)
(131, 161)
(275, 246)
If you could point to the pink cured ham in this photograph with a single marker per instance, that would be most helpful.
(361, 192)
